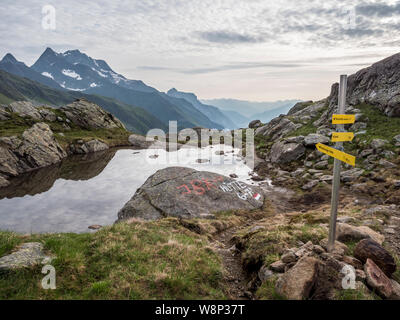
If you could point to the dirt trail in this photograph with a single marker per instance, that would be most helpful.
(236, 277)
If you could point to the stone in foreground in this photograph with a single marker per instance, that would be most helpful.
(377, 279)
(296, 284)
(27, 255)
(368, 248)
(185, 192)
(346, 232)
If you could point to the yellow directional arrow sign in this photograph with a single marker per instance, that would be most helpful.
(337, 154)
(343, 118)
(342, 136)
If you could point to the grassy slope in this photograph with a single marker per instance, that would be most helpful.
(142, 260)
(13, 88)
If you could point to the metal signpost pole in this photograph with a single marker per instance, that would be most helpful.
(337, 166)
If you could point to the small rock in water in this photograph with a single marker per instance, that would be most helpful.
(202, 160)
(233, 175)
(257, 178)
(95, 227)
(154, 156)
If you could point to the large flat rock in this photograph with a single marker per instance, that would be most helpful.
(185, 192)
(26, 255)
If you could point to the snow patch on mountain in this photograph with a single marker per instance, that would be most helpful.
(48, 75)
(99, 73)
(71, 73)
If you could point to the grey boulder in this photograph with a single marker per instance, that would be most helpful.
(185, 192)
(282, 152)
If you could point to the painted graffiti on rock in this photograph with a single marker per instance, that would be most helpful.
(200, 187)
(242, 190)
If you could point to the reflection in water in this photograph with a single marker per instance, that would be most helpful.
(76, 167)
(90, 189)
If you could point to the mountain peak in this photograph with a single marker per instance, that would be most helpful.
(49, 51)
(172, 90)
(9, 58)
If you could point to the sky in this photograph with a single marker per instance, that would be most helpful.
(249, 50)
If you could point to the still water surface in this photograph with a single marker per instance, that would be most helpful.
(91, 189)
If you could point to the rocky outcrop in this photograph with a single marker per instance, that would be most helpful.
(94, 145)
(298, 107)
(277, 128)
(25, 109)
(378, 85)
(283, 152)
(184, 192)
(35, 149)
(86, 114)
(313, 138)
(255, 124)
(26, 255)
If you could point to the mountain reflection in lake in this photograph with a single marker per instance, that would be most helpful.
(90, 189)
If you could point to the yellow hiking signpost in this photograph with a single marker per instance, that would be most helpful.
(339, 137)
(343, 118)
(342, 156)
(342, 136)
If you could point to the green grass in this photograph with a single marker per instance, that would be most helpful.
(266, 246)
(8, 240)
(379, 125)
(4, 99)
(149, 260)
(15, 126)
(267, 290)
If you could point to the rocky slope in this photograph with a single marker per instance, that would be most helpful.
(38, 137)
(286, 145)
(377, 85)
(367, 233)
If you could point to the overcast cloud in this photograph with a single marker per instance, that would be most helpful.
(253, 50)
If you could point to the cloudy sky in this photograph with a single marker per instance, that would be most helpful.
(255, 50)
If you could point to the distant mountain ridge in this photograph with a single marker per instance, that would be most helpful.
(75, 71)
(264, 111)
(210, 111)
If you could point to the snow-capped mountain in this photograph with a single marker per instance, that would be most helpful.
(13, 66)
(74, 70)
